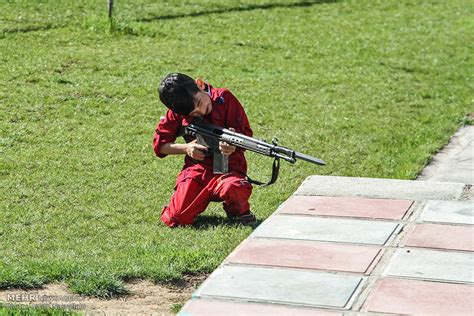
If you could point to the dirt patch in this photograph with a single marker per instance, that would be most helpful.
(145, 298)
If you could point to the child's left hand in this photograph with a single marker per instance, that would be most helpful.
(227, 149)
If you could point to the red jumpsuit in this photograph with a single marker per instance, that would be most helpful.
(196, 184)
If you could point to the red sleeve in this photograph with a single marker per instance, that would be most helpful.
(236, 116)
(166, 131)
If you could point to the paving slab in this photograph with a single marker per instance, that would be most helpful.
(455, 162)
(456, 212)
(410, 297)
(346, 206)
(326, 229)
(380, 188)
(286, 286)
(442, 237)
(305, 255)
(427, 264)
(206, 307)
(464, 175)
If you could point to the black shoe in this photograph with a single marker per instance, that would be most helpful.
(246, 218)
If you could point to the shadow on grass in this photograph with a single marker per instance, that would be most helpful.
(208, 221)
(250, 7)
(31, 28)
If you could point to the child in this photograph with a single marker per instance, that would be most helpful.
(196, 184)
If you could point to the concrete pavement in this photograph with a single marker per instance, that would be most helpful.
(454, 162)
(344, 245)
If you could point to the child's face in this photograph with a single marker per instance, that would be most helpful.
(202, 104)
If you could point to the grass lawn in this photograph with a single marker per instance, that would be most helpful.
(18, 310)
(372, 87)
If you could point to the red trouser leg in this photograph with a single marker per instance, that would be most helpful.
(188, 200)
(191, 198)
(235, 192)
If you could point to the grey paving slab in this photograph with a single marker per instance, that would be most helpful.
(287, 286)
(458, 174)
(455, 162)
(456, 212)
(326, 229)
(432, 265)
(380, 188)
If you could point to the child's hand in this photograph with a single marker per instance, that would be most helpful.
(195, 150)
(225, 148)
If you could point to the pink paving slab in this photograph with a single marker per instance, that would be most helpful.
(346, 206)
(305, 255)
(420, 297)
(442, 237)
(214, 307)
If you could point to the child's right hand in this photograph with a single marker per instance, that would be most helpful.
(196, 151)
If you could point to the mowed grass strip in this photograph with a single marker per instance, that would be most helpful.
(20, 310)
(372, 87)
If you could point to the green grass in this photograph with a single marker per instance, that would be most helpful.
(374, 88)
(24, 310)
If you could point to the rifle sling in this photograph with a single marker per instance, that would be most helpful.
(275, 171)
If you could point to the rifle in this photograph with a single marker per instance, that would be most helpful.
(210, 135)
